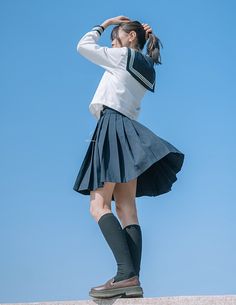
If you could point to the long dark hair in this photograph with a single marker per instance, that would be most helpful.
(153, 42)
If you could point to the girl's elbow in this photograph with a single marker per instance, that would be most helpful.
(82, 49)
(79, 47)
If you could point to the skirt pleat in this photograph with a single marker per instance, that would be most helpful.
(122, 149)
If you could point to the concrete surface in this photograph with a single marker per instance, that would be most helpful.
(174, 300)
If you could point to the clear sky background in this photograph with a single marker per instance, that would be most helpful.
(51, 247)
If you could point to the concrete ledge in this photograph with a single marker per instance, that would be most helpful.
(175, 300)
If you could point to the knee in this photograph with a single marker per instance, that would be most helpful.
(126, 211)
(97, 211)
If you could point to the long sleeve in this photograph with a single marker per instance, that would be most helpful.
(102, 56)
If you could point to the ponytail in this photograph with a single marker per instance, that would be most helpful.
(153, 48)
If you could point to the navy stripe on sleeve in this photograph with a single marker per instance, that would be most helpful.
(98, 28)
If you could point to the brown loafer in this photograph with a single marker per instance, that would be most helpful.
(129, 288)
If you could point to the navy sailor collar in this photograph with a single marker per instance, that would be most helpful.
(140, 66)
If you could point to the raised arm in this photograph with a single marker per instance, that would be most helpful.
(102, 56)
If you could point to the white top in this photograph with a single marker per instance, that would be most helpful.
(123, 84)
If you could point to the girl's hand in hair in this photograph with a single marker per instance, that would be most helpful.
(119, 19)
(147, 29)
(115, 20)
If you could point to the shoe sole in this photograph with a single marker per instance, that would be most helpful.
(129, 292)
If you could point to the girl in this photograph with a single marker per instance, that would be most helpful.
(124, 159)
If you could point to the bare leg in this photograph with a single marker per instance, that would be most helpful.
(124, 195)
(100, 200)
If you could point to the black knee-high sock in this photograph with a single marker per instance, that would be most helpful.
(134, 238)
(115, 237)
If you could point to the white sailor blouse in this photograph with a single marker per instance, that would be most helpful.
(128, 75)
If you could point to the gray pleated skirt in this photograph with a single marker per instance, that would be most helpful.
(122, 149)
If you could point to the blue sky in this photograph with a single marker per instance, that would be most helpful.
(51, 247)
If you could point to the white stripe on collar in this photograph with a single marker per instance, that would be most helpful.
(140, 77)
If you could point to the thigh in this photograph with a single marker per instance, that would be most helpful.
(125, 193)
